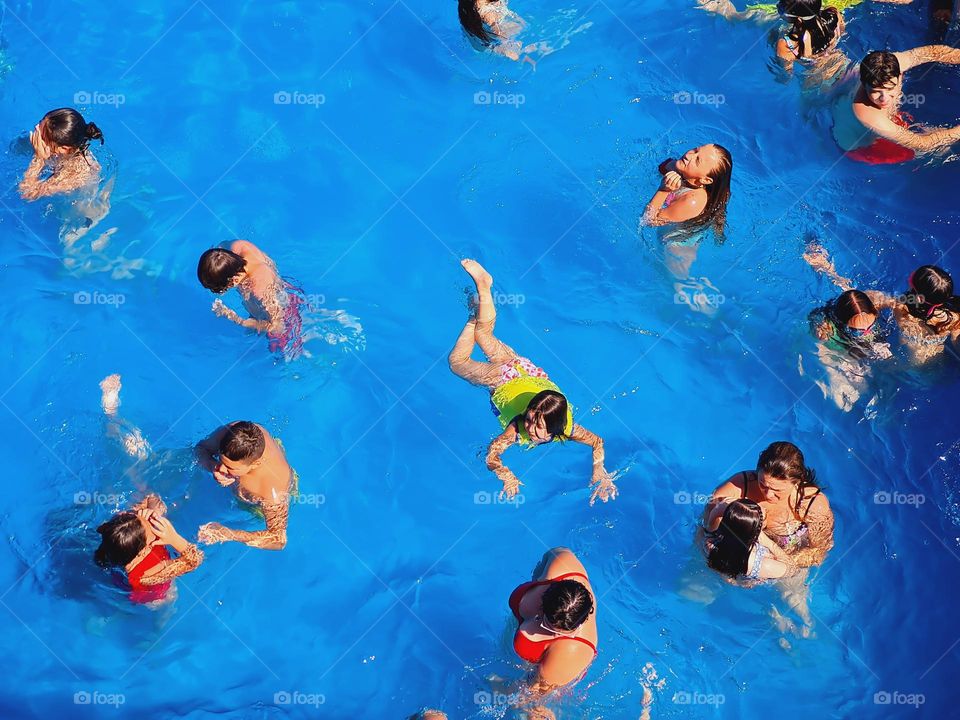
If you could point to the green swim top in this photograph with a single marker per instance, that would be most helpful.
(511, 400)
(838, 4)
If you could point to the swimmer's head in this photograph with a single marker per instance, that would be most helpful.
(241, 448)
(881, 78)
(801, 9)
(731, 543)
(855, 312)
(428, 715)
(121, 538)
(66, 132)
(472, 21)
(931, 289)
(566, 605)
(781, 469)
(709, 167)
(220, 269)
(546, 416)
(812, 28)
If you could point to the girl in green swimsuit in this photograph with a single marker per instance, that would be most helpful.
(530, 407)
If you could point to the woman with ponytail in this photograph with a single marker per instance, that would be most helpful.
(796, 513)
(61, 145)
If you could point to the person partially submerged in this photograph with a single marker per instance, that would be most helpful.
(869, 124)
(61, 143)
(244, 455)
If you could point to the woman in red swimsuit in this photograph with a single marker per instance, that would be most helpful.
(136, 540)
(557, 622)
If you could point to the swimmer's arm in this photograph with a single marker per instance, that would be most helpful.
(728, 10)
(686, 208)
(820, 527)
(785, 55)
(600, 479)
(250, 323)
(883, 126)
(207, 449)
(498, 446)
(910, 59)
(189, 560)
(881, 301)
(33, 188)
(273, 538)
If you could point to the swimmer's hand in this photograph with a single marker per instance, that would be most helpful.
(671, 181)
(511, 485)
(603, 486)
(213, 533)
(221, 310)
(40, 148)
(166, 533)
(224, 479)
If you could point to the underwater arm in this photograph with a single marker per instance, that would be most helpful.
(600, 479)
(511, 485)
(820, 525)
(273, 538)
(223, 311)
(189, 560)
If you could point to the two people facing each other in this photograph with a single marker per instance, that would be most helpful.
(60, 147)
(770, 522)
(927, 313)
(530, 407)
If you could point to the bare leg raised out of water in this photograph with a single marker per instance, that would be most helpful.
(479, 330)
(129, 436)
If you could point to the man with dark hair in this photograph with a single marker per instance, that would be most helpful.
(244, 455)
(868, 122)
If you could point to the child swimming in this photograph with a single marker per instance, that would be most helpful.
(736, 546)
(530, 408)
(927, 313)
(273, 303)
(869, 125)
(491, 25)
(60, 143)
(694, 190)
(137, 540)
(245, 455)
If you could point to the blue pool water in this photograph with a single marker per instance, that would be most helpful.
(391, 593)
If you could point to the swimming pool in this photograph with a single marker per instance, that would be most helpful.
(354, 143)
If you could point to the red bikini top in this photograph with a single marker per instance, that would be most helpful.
(148, 593)
(533, 650)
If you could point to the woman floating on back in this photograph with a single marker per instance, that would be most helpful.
(60, 144)
(530, 408)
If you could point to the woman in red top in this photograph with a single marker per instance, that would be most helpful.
(136, 540)
(557, 622)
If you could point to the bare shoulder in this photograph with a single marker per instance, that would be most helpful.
(563, 562)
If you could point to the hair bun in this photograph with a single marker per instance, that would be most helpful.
(93, 132)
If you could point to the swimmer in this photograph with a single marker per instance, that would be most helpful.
(556, 623)
(796, 513)
(137, 540)
(273, 303)
(868, 122)
(927, 313)
(61, 144)
(694, 189)
(530, 408)
(428, 715)
(244, 454)
(736, 546)
(491, 25)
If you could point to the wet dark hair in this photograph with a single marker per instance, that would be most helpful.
(552, 407)
(217, 269)
(718, 192)
(567, 604)
(879, 69)
(839, 313)
(931, 289)
(731, 543)
(809, 16)
(121, 538)
(784, 461)
(67, 128)
(473, 23)
(243, 442)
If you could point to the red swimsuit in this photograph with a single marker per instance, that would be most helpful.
(882, 151)
(148, 593)
(532, 650)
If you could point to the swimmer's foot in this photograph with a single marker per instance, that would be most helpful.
(481, 277)
(110, 397)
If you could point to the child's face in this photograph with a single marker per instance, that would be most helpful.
(886, 96)
(233, 468)
(537, 429)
